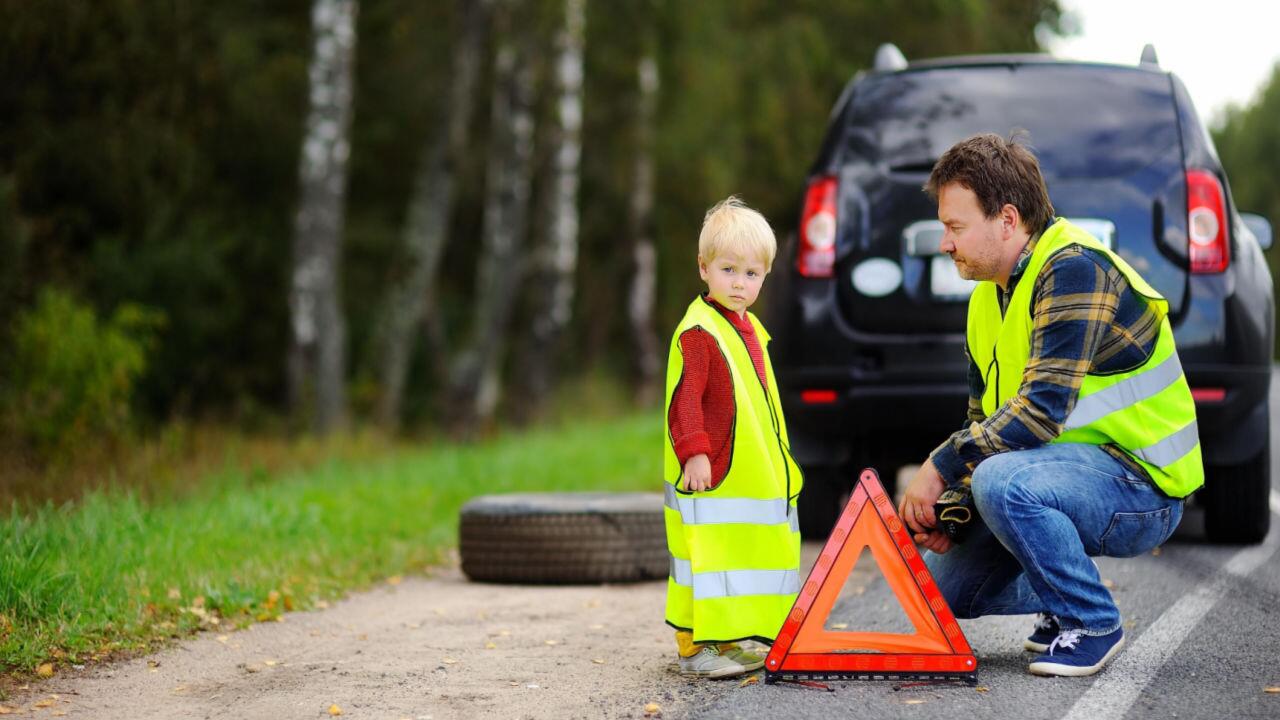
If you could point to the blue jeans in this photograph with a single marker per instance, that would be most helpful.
(1045, 512)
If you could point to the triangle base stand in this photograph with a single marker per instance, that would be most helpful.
(805, 651)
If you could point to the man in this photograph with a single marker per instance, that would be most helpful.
(1081, 438)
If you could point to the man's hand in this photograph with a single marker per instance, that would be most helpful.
(917, 503)
(934, 540)
(697, 474)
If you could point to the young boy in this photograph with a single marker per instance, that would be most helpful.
(731, 483)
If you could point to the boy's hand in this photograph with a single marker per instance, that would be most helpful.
(697, 474)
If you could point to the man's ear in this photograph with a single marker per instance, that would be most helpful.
(1010, 220)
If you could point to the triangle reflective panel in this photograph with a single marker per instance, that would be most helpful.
(806, 650)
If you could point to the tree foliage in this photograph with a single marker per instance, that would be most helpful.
(149, 155)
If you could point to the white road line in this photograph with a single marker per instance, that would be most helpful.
(1115, 691)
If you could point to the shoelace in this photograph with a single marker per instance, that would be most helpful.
(1067, 639)
(1045, 621)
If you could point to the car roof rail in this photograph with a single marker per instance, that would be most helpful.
(890, 58)
(1149, 56)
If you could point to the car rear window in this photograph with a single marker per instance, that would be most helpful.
(1082, 120)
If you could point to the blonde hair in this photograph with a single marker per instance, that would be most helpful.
(732, 226)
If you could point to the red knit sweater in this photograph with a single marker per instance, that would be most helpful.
(702, 410)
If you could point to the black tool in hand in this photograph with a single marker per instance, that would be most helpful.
(955, 512)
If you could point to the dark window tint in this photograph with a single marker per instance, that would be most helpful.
(1082, 120)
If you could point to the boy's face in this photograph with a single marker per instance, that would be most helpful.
(734, 280)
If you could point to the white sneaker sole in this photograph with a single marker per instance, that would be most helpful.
(1035, 647)
(1060, 670)
(724, 672)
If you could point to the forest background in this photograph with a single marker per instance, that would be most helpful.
(308, 216)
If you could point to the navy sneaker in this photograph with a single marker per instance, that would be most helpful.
(1074, 654)
(1045, 631)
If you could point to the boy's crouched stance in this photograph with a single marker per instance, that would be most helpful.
(731, 483)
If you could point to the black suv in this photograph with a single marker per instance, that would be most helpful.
(869, 317)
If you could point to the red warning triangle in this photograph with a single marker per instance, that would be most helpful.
(804, 649)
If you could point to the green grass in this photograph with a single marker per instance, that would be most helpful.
(111, 573)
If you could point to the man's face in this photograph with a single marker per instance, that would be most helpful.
(734, 280)
(970, 238)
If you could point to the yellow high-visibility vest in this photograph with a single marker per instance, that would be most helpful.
(1148, 412)
(735, 550)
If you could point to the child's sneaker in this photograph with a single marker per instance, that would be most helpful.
(709, 663)
(1074, 654)
(748, 660)
(1045, 631)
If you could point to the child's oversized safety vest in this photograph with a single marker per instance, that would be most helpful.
(1148, 411)
(735, 550)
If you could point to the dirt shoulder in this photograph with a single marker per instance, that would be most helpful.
(438, 647)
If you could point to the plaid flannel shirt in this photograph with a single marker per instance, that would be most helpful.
(1085, 319)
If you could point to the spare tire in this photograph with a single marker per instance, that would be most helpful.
(563, 538)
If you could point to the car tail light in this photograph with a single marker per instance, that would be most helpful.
(818, 397)
(1208, 394)
(1206, 223)
(816, 255)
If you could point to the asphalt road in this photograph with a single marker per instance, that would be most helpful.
(1203, 629)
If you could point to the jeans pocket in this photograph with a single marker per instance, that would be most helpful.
(1131, 534)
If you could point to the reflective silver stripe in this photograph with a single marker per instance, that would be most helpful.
(681, 571)
(732, 583)
(795, 522)
(1124, 393)
(709, 511)
(1172, 448)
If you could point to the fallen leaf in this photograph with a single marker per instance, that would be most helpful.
(551, 642)
(982, 688)
(270, 663)
(652, 708)
(1273, 690)
(395, 580)
(43, 703)
(322, 605)
(515, 684)
(198, 601)
(839, 626)
(252, 668)
(153, 663)
(45, 670)
(598, 661)
(223, 639)
(449, 661)
(504, 633)
(58, 653)
(913, 701)
(58, 713)
(749, 680)
(490, 646)
(6, 710)
(174, 593)
(335, 710)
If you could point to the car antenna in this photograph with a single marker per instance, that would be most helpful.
(1149, 56)
(890, 58)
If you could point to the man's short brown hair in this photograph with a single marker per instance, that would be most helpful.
(999, 172)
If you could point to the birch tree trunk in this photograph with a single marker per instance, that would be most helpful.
(317, 356)
(557, 260)
(643, 253)
(428, 218)
(475, 388)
